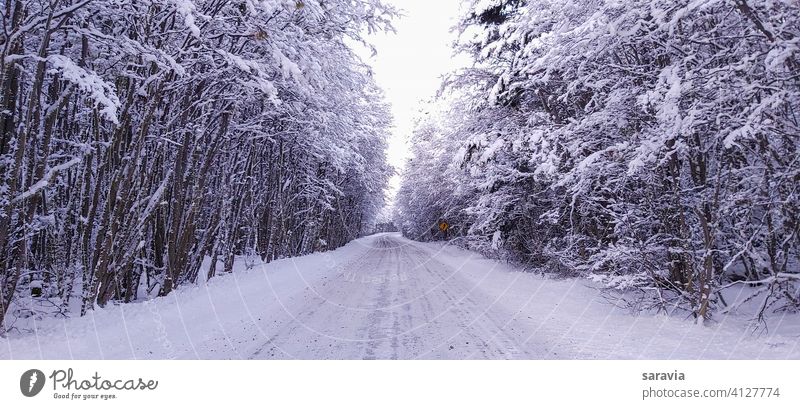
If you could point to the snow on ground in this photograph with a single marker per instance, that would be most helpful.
(386, 297)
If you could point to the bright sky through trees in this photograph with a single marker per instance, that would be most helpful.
(409, 65)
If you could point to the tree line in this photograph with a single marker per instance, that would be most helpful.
(144, 140)
(651, 146)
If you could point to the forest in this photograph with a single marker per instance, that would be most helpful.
(649, 145)
(144, 138)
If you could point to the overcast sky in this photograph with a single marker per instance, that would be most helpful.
(410, 63)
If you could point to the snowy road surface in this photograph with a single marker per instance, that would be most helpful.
(387, 297)
(395, 301)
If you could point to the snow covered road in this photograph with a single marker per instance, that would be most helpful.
(394, 301)
(387, 297)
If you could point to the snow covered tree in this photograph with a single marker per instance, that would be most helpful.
(140, 138)
(650, 145)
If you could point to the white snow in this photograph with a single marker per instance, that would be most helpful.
(384, 297)
(187, 10)
(259, 77)
(497, 240)
(99, 90)
(52, 172)
(288, 67)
